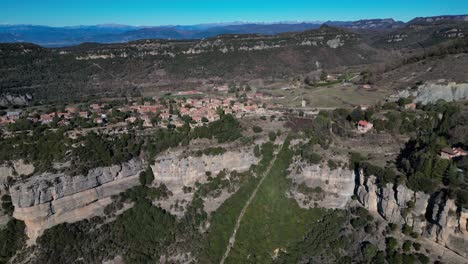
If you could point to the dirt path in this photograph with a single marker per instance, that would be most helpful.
(232, 239)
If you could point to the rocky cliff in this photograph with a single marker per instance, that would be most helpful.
(432, 92)
(434, 217)
(335, 186)
(176, 170)
(45, 200)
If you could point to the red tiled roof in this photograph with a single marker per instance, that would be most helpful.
(363, 123)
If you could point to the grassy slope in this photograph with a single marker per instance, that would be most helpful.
(272, 221)
(224, 219)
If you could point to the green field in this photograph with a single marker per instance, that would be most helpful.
(339, 95)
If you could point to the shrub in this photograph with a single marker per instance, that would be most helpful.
(369, 251)
(392, 226)
(146, 177)
(272, 136)
(332, 164)
(257, 152)
(406, 229)
(257, 129)
(407, 246)
(392, 243)
(12, 238)
(7, 205)
(423, 258)
(313, 158)
(358, 222)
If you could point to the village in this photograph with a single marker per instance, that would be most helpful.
(193, 107)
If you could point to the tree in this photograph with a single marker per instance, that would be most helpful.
(407, 246)
(369, 251)
(356, 115)
(440, 168)
(257, 152)
(323, 76)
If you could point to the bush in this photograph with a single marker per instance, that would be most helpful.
(313, 158)
(369, 251)
(392, 226)
(358, 223)
(392, 243)
(355, 160)
(332, 164)
(12, 238)
(423, 258)
(272, 136)
(146, 177)
(257, 129)
(407, 246)
(7, 205)
(406, 229)
(257, 152)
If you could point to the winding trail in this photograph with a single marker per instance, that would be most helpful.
(232, 239)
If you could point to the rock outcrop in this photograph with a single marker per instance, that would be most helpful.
(431, 93)
(175, 170)
(336, 186)
(8, 100)
(435, 217)
(45, 200)
(14, 169)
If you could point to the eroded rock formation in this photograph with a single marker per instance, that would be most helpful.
(45, 200)
(431, 93)
(435, 217)
(337, 185)
(177, 171)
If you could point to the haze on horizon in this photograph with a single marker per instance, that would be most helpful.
(187, 12)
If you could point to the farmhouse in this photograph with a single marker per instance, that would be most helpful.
(364, 126)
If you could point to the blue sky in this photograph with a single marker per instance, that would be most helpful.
(184, 12)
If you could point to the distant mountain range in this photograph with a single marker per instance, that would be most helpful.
(115, 33)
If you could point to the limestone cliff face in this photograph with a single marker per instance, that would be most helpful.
(175, 170)
(435, 217)
(430, 93)
(45, 200)
(337, 185)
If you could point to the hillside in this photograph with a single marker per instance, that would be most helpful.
(154, 65)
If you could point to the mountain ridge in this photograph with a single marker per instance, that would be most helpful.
(48, 36)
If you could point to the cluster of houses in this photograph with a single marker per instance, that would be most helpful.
(199, 108)
(62, 117)
(9, 117)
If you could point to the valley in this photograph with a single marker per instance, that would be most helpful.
(341, 143)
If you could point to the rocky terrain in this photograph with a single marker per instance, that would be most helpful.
(336, 186)
(432, 92)
(45, 200)
(435, 217)
(178, 172)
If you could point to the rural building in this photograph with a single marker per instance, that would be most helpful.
(364, 126)
(450, 153)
